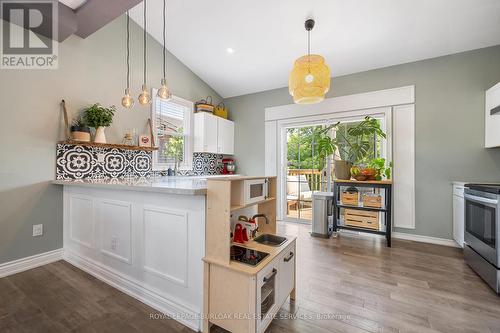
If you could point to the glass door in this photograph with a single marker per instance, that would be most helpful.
(304, 173)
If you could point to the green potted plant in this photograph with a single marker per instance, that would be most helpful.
(380, 168)
(352, 147)
(99, 117)
(79, 130)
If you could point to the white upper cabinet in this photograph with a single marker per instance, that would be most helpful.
(225, 136)
(205, 133)
(213, 134)
(492, 117)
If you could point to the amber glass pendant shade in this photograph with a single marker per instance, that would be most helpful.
(164, 93)
(309, 80)
(127, 100)
(145, 96)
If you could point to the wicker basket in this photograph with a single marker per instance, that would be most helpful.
(205, 105)
(221, 111)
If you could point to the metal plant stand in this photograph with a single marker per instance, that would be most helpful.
(386, 208)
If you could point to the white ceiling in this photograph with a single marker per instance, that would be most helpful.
(354, 36)
(73, 4)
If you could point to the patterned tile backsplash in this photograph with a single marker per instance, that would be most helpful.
(87, 162)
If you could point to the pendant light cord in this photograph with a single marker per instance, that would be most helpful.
(144, 44)
(309, 51)
(164, 38)
(128, 51)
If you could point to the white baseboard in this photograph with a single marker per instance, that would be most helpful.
(178, 312)
(23, 264)
(425, 239)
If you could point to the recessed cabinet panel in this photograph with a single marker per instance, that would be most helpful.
(166, 244)
(81, 217)
(115, 221)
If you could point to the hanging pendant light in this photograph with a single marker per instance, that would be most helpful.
(164, 93)
(145, 96)
(127, 100)
(310, 78)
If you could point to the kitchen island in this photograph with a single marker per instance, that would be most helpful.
(166, 242)
(144, 237)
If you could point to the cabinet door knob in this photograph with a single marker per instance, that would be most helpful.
(287, 259)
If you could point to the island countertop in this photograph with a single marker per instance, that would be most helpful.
(166, 185)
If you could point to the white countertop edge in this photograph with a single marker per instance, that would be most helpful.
(131, 187)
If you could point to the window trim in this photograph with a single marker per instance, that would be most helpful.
(187, 163)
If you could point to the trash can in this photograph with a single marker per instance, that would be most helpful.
(322, 214)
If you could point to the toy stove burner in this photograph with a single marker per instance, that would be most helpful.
(247, 256)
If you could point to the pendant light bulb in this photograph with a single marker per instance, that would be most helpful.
(164, 93)
(127, 100)
(145, 96)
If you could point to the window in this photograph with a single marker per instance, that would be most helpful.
(171, 122)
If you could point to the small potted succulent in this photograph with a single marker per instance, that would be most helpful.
(99, 117)
(79, 130)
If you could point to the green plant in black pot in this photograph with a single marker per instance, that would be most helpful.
(79, 130)
(99, 117)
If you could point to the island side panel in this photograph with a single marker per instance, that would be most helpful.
(218, 221)
(149, 245)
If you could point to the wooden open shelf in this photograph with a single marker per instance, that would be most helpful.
(236, 207)
(107, 145)
(359, 182)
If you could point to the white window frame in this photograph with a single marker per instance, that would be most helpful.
(187, 163)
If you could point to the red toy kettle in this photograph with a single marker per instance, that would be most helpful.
(239, 234)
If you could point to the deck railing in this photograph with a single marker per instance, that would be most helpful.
(314, 177)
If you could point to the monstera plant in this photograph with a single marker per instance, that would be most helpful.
(352, 147)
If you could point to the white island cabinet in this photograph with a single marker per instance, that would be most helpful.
(147, 240)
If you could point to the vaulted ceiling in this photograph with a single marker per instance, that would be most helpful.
(73, 4)
(358, 35)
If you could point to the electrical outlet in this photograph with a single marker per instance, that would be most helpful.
(37, 230)
(114, 243)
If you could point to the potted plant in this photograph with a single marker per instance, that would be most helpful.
(79, 130)
(99, 117)
(352, 147)
(380, 168)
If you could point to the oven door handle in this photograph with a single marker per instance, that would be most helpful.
(482, 200)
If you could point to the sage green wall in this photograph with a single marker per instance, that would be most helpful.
(449, 126)
(90, 70)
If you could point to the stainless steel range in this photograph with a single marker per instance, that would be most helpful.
(482, 231)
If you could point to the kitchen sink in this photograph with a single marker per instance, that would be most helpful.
(272, 240)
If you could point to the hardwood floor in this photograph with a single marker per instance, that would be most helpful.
(348, 284)
(61, 298)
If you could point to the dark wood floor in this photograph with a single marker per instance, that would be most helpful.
(348, 284)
